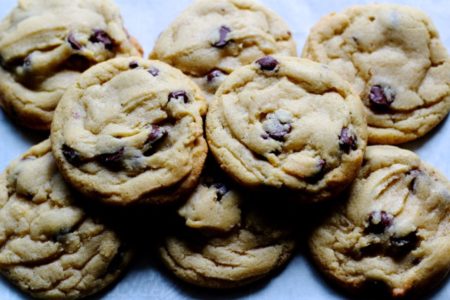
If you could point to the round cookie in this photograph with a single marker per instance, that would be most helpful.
(211, 39)
(49, 247)
(285, 122)
(46, 44)
(395, 61)
(131, 130)
(225, 242)
(394, 230)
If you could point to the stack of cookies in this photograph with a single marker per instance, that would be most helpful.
(221, 126)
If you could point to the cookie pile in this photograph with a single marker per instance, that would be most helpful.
(221, 124)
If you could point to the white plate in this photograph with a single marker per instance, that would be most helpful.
(145, 19)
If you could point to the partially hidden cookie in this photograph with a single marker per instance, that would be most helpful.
(49, 247)
(130, 130)
(211, 39)
(393, 233)
(285, 122)
(394, 59)
(225, 241)
(45, 46)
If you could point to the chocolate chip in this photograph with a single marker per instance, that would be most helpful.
(154, 71)
(223, 37)
(179, 94)
(100, 36)
(221, 190)
(275, 128)
(414, 174)
(404, 244)
(267, 63)
(347, 140)
(379, 221)
(321, 170)
(214, 74)
(381, 97)
(71, 155)
(133, 64)
(113, 159)
(117, 261)
(61, 234)
(73, 42)
(157, 133)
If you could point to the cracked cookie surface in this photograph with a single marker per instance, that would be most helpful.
(396, 62)
(225, 242)
(213, 38)
(46, 44)
(131, 130)
(49, 247)
(288, 122)
(393, 231)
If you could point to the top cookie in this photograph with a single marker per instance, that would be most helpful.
(288, 122)
(393, 232)
(131, 130)
(395, 61)
(46, 44)
(49, 246)
(213, 38)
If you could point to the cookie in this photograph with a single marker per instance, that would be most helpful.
(45, 46)
(49, 247)
(130, 130)
(225, 242)
(285, 122)
(394, 59)
(211, 39)
(394, 230)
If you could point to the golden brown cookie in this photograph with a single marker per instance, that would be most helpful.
(285, 122)
(49, 246)
(393, 232)
(394, 59)
(46, 44)
(131, 130)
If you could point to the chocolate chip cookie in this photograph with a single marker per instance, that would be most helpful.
(285, 122)
(225, 241)
(49, 247)
(131, 130)
(394, 59)
(213, 38)
(394, 230)
(45, 45)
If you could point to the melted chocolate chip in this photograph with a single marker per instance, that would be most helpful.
(178, 95)
(347, 140)
(214, 74)
(275, 128)
(133, 64)
(379, 221)
(154, 71)
(221, 190)
(112, 160)
(100, 36)
(117, 261)
(381, 97)
(156, 135)
(321, 170)
(73, 42)
(405, 244)
(60, 235)
(413, 184)
(223, 37)
(267, 63)
(71, 155)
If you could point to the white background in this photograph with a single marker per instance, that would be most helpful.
(145, 19)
